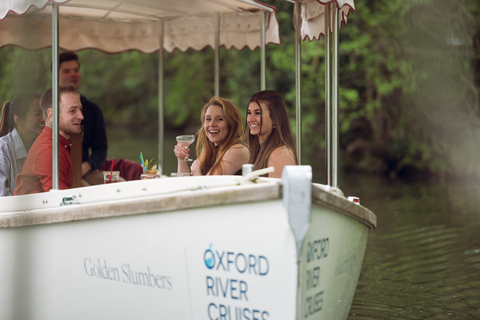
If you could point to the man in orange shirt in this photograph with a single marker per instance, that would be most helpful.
(36, 175)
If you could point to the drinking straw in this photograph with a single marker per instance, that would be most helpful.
(111, 170)
(143, 163)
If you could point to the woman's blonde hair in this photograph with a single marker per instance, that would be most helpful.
(209, 155)
(281, 134)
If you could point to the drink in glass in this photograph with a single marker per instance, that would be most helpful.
(180, 174)
(111, 178)
(150, 174)
(186, 140)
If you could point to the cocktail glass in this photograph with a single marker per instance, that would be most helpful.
(186, 140)
(150, 174)
(114, 178)
(180, 174)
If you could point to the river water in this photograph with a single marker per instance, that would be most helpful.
(423, 260)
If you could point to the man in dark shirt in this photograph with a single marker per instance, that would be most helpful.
(36, 175)
(94, 145)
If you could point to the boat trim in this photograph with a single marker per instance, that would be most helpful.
(268, 189)
(342, 205)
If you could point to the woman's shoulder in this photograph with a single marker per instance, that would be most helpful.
(283, 149)
(283, 154)
(237, 152)
(6, 149)
(238, 148)
(8, 136)
(6, 141)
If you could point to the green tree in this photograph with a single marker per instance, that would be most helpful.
(408, 93)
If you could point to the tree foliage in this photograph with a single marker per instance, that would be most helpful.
(409, 85)
(413, 74)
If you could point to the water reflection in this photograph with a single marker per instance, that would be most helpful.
(423, 261)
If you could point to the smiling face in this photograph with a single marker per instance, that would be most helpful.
(70, 115)
(33, 123)
(70, 74)
(259, 120)
(215, 125)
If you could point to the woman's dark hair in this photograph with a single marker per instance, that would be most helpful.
(281, 134)
(18, 106)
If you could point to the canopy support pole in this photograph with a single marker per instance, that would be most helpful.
(298, 54)
(217, 57)
(335, 97)
(328, 99)
(262, 54)
(55, 104)
(331, 94)
(161, 97)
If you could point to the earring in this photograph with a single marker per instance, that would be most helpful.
(273, 127)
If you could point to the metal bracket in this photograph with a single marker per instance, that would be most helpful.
(297, 197)
(66, 201)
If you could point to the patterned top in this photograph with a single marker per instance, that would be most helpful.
(12, 158)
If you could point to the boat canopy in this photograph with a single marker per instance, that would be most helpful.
(115, 26)
(313, 16)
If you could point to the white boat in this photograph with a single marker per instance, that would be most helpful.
(213, 247)
(183, 248)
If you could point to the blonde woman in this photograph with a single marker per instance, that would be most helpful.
(220, 146)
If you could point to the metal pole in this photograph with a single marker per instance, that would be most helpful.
(328, 104)
(161, 95)
(262, 54)
(55, 40)
(217, 57)
(298, 54)
(335, 97)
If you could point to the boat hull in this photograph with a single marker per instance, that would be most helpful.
(332, 257)
(218, 253)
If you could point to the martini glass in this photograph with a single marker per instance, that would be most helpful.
(186, 140)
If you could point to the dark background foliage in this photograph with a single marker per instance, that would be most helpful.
(409, 86)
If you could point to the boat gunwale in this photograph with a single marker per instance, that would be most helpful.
(171, 202)
(156, 203)
(341, 204)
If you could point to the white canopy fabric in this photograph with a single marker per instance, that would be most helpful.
(119, 25)
(21, 6)
(313, 16)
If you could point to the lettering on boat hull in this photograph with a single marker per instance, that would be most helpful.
(228, 274)
(124, 273)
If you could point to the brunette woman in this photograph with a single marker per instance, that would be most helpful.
(220, 146)
(270, 137)
(20, 124)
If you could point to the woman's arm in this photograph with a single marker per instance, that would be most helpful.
(181, 152)
(233, 160)
(280, 157)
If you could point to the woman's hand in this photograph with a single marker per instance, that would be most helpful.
(195, 168)
(181, 152)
